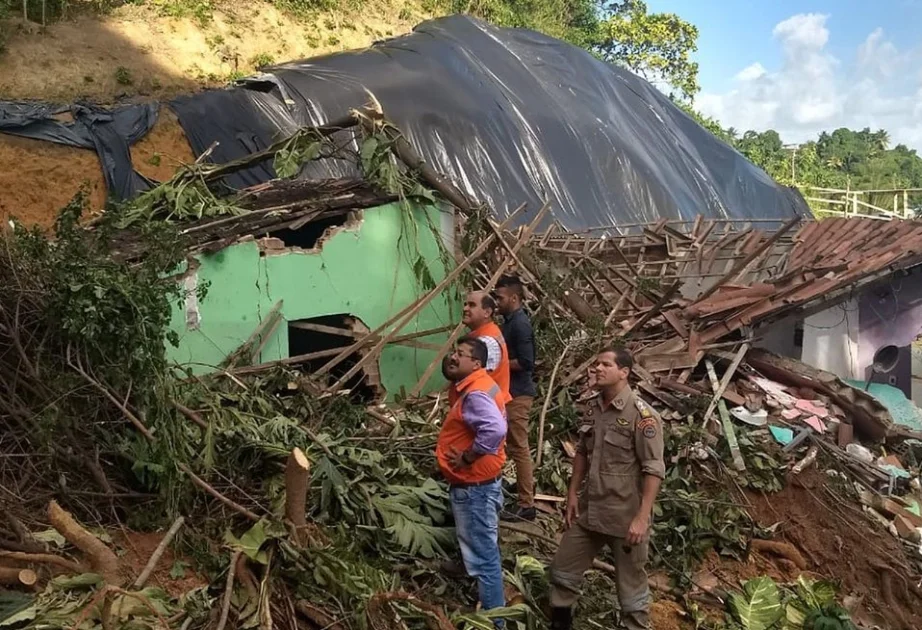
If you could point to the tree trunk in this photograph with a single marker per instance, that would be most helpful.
(102, 559)
(297, 482)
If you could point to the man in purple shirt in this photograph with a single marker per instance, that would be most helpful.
(471, 452)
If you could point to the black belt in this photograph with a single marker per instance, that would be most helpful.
(474, 484)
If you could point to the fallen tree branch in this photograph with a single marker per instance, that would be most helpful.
(191, 415)
(217, 495)
(139, 425)
(158, 552)
(317, 616)
(381, 598)
(547, 403)
(228, 590)
(18, 528)
(102, 559)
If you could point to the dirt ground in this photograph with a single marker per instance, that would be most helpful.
(38, 178)
(140, 50)
(140, 546)
(838, 543)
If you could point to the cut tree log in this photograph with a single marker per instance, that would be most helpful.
(102, 559)
(42, 558)
(297, 483)
(17, 577)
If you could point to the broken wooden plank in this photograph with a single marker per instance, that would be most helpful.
(729, 431)
(406, 314)
(512, 251)
(740, 265)
(728, 376)
(270, 321)
(655, 309)
(675, 321)
(667, 362)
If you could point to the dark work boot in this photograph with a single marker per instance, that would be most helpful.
(561, 618)
(453, 568)
(518, 514)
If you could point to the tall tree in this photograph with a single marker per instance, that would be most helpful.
(657, 46)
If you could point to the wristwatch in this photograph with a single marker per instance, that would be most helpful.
(466, 459)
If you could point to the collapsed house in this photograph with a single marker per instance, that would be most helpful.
(509, 116)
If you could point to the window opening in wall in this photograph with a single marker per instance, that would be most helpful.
(308, 236)
(329, 332)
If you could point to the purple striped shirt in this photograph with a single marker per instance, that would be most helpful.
(480, 413)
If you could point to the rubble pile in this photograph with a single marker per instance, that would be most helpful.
(287, 502)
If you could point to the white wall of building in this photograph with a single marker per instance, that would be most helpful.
(831, 340)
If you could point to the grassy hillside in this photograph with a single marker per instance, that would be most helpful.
(157, 48)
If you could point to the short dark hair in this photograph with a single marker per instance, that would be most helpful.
(623, 358)
(488, 302)
(514, 283)
(478, 349)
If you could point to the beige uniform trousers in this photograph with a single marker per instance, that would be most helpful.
(517, 411)
(578, 549)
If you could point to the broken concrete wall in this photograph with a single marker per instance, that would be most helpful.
(831, 339)
(364, 269)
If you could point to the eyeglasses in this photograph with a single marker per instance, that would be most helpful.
(456, 353)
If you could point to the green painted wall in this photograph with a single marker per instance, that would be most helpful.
(364, 270)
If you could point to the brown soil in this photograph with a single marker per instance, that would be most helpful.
(38, 178)
(138, 549)
(158, 154)
(668, 615)
(838, 542)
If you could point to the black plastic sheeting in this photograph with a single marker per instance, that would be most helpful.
(511, 116)
(109, 132)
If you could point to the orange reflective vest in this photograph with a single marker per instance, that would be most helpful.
(500, 375)
(458, 436)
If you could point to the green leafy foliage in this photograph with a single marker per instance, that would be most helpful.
(300, 148)
(758, 607)
(843, 158)
(806, 605)
(657, 46)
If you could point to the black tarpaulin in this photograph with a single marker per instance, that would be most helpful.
(109, 132)
(511, 116)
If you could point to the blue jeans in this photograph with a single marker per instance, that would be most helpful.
(476, 510)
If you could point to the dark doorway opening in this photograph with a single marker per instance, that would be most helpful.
(308, 236)
(331, 332)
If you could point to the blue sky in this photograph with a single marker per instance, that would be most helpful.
(804, 66)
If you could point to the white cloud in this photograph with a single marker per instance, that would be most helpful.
(751, 72)
(812, 90)
(807, 30)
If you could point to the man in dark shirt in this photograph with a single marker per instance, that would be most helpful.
(520, 342)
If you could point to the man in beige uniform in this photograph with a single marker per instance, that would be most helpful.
(620, 457)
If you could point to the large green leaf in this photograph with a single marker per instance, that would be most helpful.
(816, 593)
(253, 539)
(758, 607)
(16, 607)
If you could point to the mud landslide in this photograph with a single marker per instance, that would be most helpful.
(39, 178)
